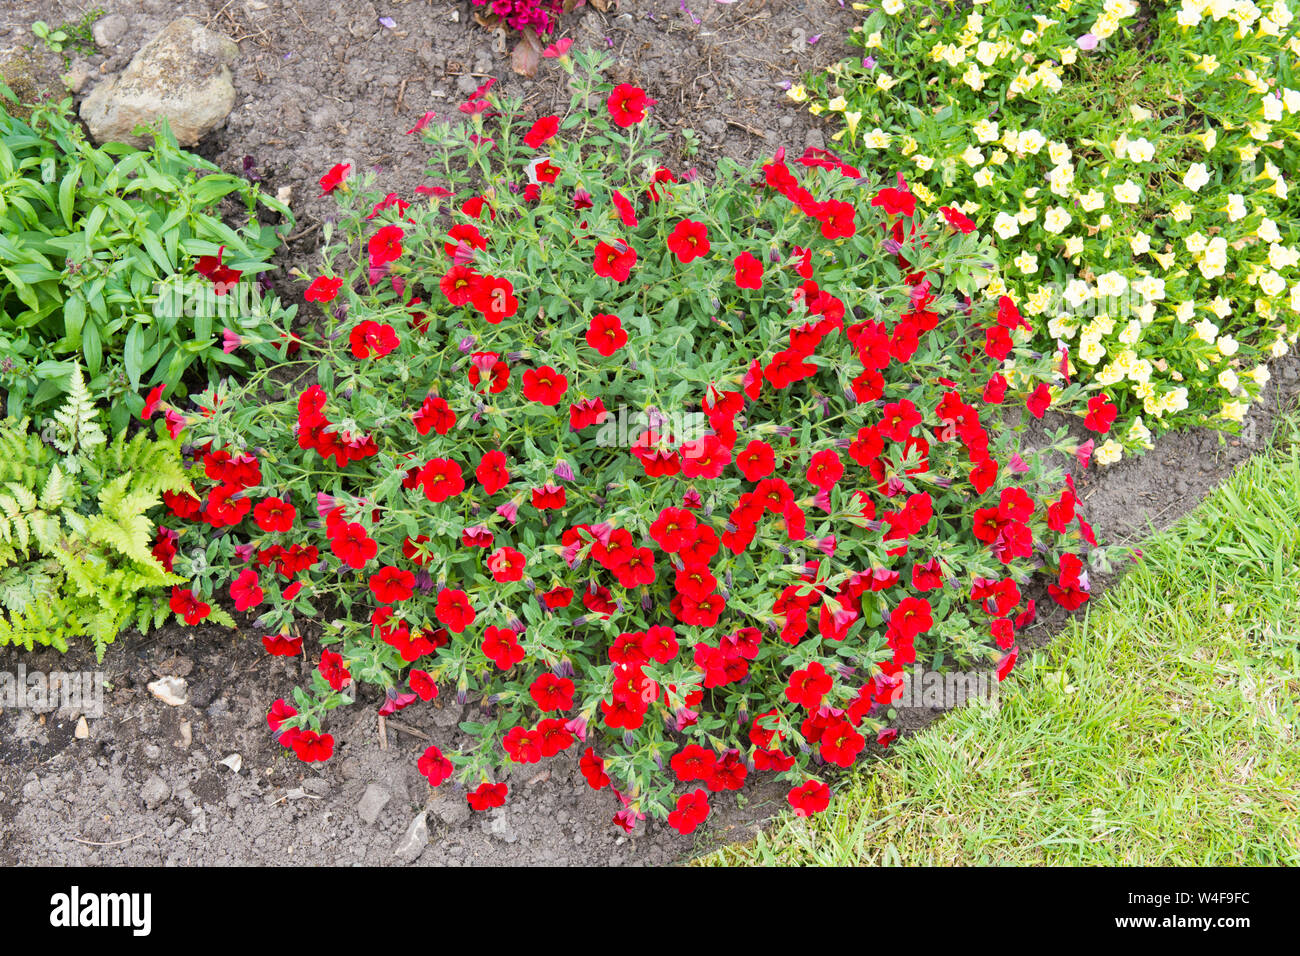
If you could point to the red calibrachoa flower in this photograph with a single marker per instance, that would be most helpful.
(184, 603)
(436, 768)
(1101, 414)
(487, 796)
(615, 261)
(282, 645)
(455, 610)
(501, 645)
(312, 747)
(689, 240)
(334, 178)
(809, 798)
(353, 546)
(692, 810)
(371, 338)
(274, 515)
(391, 585)
(323, 289)
(544, 385)
(542, 130)
(606, 334)
(627, 105)
(245, 592)
(749, 272)
(332, 669)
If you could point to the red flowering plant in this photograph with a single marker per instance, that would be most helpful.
(681, 478)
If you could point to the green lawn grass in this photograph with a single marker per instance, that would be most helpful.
(1161, 728)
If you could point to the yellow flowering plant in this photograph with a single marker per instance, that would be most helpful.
(1133, 172)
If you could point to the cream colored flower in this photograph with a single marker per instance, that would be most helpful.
(1128, 192)
(1109, 452)
(1196, 177)
(1006, 226)
(1056, 219)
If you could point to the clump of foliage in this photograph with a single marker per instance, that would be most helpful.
(1135, 171)
(690, 474)
(118, 258)
(77, 547)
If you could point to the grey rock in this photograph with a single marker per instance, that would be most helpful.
(108, 30)
(154, 792)
(452, 809)
(498, 825)
(447, 716)
(815, 139)
(182, 75)
(373, 802)
(415, 840)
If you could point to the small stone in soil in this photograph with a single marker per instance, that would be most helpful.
(373, 802)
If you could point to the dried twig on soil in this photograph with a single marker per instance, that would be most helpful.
(409, 730)
(110, 843)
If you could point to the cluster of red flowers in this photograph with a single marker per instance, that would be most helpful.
(691, 543)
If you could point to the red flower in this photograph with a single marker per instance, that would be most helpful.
(488, 364)
(506, 564)
(151, 402)
(626, 214)
(593, 768)
(331, 668)
(282, 645)
(692, 810)
(541, 131)
(1101, 414)
(956, 219)
(911, 617)
(391, 585)
(334, 178)
(280, 712)
(454, 610)
(552, 693)
(491, 472)
(1039, 400)
(184, 603)
(385, 245)
(689, 240)
(825, 469)
(434, 415)
(312, 747)
(808, 686)
(244, 590)
(544, 385)
(997, 343)
(487, 796)
(369, 336)
(274, 515)
(421, 683)
(441, 479)
(501, 646)
(606, 334)
(494, 298)
(222, 277)
(435, 767)
(809, 798)
(615, 261)
(895, 202)
(749, 272)
(323, 289)
(693, 762)
(458, 284)
(352, 545)
(757, 460)
(627, 105)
